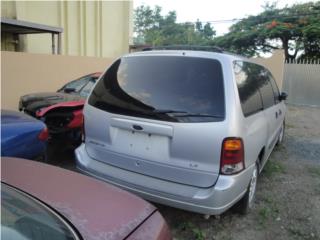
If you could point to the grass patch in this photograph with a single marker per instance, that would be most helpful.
(263, 215)
(317, 189)
(269, 210)
(198, 234)
(314, 171)
(272, 168)
(288, 126)
(298, 233)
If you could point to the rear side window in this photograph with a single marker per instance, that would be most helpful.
(169, 88)
(246, 76)
(274, 87)
(265, 87)
(257, 88)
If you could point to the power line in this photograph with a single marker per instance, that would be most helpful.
(265, 18)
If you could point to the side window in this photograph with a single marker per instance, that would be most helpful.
(265, 87)
(274, 87)
(248, 87)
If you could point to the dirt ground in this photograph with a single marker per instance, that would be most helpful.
(288, 194)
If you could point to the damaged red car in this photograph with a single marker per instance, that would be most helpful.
(61, 110)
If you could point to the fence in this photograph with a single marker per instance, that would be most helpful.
(302, 82)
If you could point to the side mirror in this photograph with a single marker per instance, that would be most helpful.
(283, 96)
(69, 90)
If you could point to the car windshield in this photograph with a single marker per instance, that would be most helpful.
(84, 92)
(24, 218)
(77, 85)
(81, 86)
(169, 88)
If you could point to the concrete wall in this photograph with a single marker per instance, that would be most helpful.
(91, 28)
(23, 73)
(275, 64)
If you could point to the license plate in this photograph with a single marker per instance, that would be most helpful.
(140, 144)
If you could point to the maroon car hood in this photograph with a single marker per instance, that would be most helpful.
(96, 209)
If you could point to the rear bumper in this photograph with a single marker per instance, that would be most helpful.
(214, 200)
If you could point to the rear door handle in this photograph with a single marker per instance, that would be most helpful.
(137, 127)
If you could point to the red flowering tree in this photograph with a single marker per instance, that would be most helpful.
(295, 29)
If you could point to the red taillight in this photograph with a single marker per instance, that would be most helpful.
(232, 156)
(44, 134)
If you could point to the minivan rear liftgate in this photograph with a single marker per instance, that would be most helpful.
(157, 121)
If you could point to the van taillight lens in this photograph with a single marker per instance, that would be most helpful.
(232, 156)
(44, 134)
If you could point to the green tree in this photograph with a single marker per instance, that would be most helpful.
(294, 29)
(151, 27)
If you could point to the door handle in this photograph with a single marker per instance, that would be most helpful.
(276, 114)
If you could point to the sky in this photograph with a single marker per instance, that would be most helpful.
(213, 10)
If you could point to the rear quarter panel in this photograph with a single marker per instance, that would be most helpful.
(255, 137)
(252, 129)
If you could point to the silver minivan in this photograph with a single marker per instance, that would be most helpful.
(189, 129)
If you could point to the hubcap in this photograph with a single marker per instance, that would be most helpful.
(253, 184)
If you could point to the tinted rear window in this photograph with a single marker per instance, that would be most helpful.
(274, 87)
(246, 75)
(266, 89)
(148, 86)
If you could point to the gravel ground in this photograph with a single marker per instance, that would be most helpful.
(288, 194)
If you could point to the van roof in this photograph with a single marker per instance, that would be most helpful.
(214, 49)
(185, 52)
(186, 47)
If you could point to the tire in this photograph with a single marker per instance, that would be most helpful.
(246, 202)
(281, 135)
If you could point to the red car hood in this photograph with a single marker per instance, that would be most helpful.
(43, 111)
(96, 209)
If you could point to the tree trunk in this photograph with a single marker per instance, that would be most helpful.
(285, 46)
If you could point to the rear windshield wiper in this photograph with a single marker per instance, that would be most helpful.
(198, 115)
(177, 113)
(168, 111)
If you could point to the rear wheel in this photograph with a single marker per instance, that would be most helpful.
(246, 203)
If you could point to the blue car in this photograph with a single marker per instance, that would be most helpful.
(22, 136)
